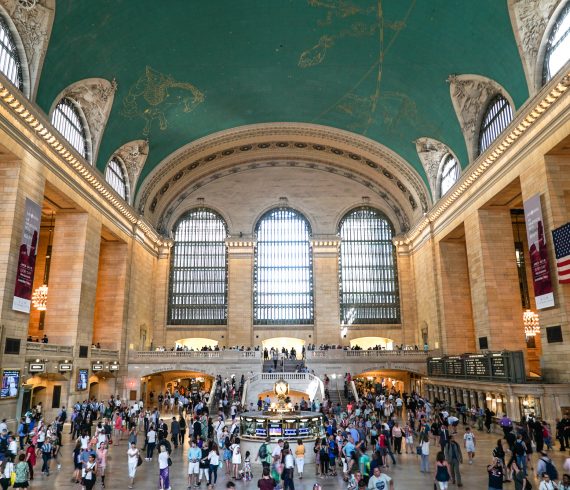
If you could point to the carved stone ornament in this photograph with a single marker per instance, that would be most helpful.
(33, 20)
(470, 95)
(431, 153)
(95, 98)
(530, 19)
(133, 154)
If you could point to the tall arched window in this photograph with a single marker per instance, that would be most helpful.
(368, 273)
(67, 119)
(450, 171)
(10, 64)
(283, 273)
(497, 117)
(116, 176)
(198, 272)
(558, 45)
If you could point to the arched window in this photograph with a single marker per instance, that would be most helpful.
(558, 45)
(497, 117)
(368, 273)
(283, 273)
(198, 272)
(67, 119)
(450, 171)
(116, 176)
(10, 64)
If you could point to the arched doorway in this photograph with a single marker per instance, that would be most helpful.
(94, 390)
(174, 382)
(284, 342)
(366, 343)
(197, 343)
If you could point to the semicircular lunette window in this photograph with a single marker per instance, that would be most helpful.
(558, 45)
(449, 174)
(116, 176)
(198, 271)
(67, 119)
(10, 64)
(283, 271)
(497, 117)
(368, 274)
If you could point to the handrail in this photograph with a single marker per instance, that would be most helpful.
(40, 347)
(216, 354)
(364, 354)
(212, 398)
(104, 352)
(354, 391)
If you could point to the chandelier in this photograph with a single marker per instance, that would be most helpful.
(531, 323)
(39, 298)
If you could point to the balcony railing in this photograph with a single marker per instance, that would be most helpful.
(37, 348)
(104, 352)
(229, 355)
(353, 355)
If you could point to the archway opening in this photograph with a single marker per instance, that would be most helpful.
(197, 344)
(367, 343)
(287, 343)
(386, 382)
(157, 386)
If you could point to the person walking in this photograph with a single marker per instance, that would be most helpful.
(163, 469)
(133, 456)
(300, 458)
(266, 482)
(288, 470)
(22, 473)
(194, 456)
(89, 473)
(496, 474)
(469, 442)
(379, 481)
(424, 456)
(214, 462)
(236, 458)
(150, 442)
(442, 471)
(102, 461)
(46, 456)
(455, 458)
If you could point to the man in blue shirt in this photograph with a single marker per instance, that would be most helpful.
(194, 456)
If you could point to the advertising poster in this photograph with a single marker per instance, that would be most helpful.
(82, 379)
(538, 252)
(10, 383)
(27, 257)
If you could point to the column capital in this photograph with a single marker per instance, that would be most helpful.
(241, 244)
(325, 244)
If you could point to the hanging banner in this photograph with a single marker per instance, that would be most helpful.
(543, 292)
(27, 257)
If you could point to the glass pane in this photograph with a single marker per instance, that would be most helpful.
(10, 64)
(558, 46)
(498, 116)
(67, 121)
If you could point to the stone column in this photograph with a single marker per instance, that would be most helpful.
(408, 315)
(497, 310)
(326, 291)
(161, 295)
(73, 280)
(240, 290)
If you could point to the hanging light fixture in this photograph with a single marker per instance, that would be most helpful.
(531, 323)
(40, 295)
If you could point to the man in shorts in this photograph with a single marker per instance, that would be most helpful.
(194, 455)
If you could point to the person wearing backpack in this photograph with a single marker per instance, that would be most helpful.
(545, 465)
(264, 455)
(546, 483)
(520, 451)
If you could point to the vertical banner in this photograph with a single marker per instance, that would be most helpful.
(27, 257)
(538, 252)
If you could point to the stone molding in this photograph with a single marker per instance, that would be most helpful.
(470, 95)
(302, 138)
(133, 155)
(530, 19)
(33, 19)
(431, 153)
(94, 96)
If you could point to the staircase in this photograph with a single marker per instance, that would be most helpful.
(336, 393)
(288, 366)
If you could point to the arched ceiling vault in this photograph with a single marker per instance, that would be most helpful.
(371, 164)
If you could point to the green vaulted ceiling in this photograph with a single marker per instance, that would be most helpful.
(189, 68)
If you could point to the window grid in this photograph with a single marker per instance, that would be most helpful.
(283, 272)
(116, 177)
(498, 116)
(558, 45)
(199, 272)
(367, 266)
(449, 174)
(67, 120)
(10, 64)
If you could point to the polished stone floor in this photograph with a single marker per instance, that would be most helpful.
(405, 473)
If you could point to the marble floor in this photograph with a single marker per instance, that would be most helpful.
(405, 473)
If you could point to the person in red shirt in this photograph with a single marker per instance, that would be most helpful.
(31, 458)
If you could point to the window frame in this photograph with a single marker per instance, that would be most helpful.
(14, 52)
(81, 132)
(447, 158)
(211, 306)
(491, 122)
(123, 178)
(346, 315)
(306, 300)
(562, 15)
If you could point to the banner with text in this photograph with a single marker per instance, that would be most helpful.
(543, 292)
(27, 257)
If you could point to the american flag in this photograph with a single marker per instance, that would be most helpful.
(561, 238)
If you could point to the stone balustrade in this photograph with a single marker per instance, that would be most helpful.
(162, 356)
(104, 353)
(39, 348)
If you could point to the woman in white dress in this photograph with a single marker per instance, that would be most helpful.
(469, 442)
(236, 458)
(133, 461)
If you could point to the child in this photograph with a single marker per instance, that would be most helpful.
(247, 474)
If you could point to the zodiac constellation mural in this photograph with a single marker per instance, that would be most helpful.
(366, 102)
(155, 94)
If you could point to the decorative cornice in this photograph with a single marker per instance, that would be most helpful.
(529, 19)
(526, 118)
(302, 137)
(61, 151)
(431, 153)
(470, 95)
